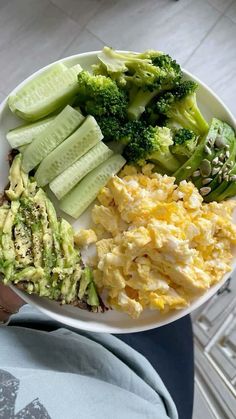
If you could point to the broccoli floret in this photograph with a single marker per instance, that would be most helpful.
(185, 142)
(152, 144)
(180, 107)
(100, 96)
(148, 73)
(111, 127)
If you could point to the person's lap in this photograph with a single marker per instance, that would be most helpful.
(169, 349)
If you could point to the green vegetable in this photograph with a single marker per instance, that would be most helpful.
(45, 93)
(201, 153)
(86, 279)
(36, 249)
(100, 96)
(144, 75)
(152, 144)
(185, 142)
(75, 146)
(180, 107)
(24, 134)
(79, 198)
(63, 183)
(53, 135)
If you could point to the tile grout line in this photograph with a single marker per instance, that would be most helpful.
(71, 42)
(204, 38)
(209, 31)
(71, 17)
(226, 10)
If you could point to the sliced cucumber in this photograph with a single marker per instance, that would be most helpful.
(69, 151)
(63, 183)
(53, 135)
(77, 200)
(24, 134)
(45, 93)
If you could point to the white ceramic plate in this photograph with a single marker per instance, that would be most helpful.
(111, 321)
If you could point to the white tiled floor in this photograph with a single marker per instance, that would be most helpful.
(200, 34)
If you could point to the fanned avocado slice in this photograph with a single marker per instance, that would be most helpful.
(48, 250)
(218, 157)
(55, 228)
(3, 214)
(87, 287)
(221, 178)
(8, 246)
(37, 250)
(18, 179)
(67, 242)
(201, 152)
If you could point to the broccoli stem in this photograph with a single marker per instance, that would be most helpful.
(196, 121)
(167, 160)
(138, 104)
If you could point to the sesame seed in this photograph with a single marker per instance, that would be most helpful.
(188, 167)
(196, 173)
(233, 178)
(220, 163)
(215, 170)
(206, 180)
(227, 154)
(226, 177)
(227, 146)
(220, 172)
(205, 190)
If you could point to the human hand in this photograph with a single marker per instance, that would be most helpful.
(10, 303)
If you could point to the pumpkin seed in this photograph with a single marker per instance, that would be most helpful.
(219, 142)
(205, 168)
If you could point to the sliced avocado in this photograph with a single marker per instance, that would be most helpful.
(70, 254)
(18, 179)
(88, 288)
(227, 136)
(48, 252)
(36, 279)
(36, 249)
(92, 299)
(3, 214)
(8, 246)
(201, 152)
(86, 278)
(32, 217)
(70, 285)
(23, 244)
(220, 182)
(55, 228)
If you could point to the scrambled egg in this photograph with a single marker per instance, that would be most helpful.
(158, 244)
